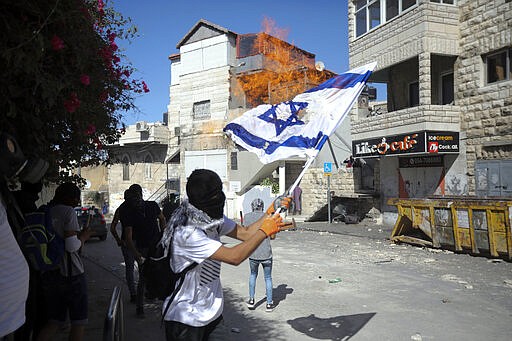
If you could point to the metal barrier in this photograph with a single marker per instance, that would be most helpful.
(477, 226)
(113, 329)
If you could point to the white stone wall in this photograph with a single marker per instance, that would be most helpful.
(117, 185)
(486, 108)
(427, 117)
(428, 27)
(314, 188)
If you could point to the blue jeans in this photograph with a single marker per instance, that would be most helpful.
(267, 271)
(129, 262)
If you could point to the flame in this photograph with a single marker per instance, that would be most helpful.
(286, 70)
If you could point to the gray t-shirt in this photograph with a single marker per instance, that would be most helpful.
(264, 250)
(64, 219)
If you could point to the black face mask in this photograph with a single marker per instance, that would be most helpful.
(204, 191)
(214, 207)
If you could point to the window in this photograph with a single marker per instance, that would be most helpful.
(373, 13)
(234, 161)
(126, 168)
(148, 160)
(391, 9)
(449, 2)
(447, 88)
(414, 94)
(202, 110)
(499, 66)
(493, 178)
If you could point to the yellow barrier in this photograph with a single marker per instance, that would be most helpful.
(478, 226)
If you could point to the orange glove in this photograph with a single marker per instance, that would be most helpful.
(285, 203)
(272, 225)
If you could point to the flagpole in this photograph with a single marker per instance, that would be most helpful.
(292, 187)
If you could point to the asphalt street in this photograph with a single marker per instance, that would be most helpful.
(336, 282)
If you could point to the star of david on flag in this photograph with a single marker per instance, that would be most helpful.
(299, 127)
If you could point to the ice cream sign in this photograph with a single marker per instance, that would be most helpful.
(432, 142)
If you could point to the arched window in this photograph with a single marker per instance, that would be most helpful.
(126, 168)
(148, 160)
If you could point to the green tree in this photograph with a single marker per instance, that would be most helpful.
(64, 83)
(273, 184)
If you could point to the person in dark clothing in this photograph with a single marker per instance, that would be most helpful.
(129, 260)
(143, 222)
(169, 205)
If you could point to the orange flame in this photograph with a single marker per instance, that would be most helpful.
(286, 70)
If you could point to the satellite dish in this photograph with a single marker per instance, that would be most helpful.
(319, 66)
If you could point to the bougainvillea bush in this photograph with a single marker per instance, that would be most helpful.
(64, 83)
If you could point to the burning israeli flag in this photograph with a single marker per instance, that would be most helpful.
(299, 127)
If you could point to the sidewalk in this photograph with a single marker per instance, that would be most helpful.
(103, 277)
(334, 281)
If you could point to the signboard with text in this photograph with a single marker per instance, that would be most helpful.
(432, 142)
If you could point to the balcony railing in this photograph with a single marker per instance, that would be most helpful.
(425, 117)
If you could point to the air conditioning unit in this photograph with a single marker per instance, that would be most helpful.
(141, 126)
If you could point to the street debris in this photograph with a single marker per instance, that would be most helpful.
(416, 337)
(383, 261)
(335, 280)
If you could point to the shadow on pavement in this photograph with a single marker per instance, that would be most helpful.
(279, 294)
(332, 328)
(241, 324)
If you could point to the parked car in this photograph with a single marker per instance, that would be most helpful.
(96, 220)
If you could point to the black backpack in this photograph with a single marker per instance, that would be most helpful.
(160, 280)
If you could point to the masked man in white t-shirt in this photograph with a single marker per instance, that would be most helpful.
(198, 225)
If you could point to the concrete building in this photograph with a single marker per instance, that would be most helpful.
(217, 76)
(141, 157)
(447, 128)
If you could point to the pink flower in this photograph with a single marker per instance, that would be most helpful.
(73, 103)
(98, 143)
(103, 96)
(91, 129)
(101, 6)
(145, 87)
(85, 79)
(57, 43)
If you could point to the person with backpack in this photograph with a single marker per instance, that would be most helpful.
(65, 288)
(129, 260)
(194, 309)
(143, 223)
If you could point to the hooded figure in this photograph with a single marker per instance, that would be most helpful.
(194, 230)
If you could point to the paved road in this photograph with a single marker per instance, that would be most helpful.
(347, 282)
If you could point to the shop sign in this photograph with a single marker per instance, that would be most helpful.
(442, 142)
(432, 142)
(420, 161)
(389, 145)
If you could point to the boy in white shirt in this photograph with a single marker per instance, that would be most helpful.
(198, 225)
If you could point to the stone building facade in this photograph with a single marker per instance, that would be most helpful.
(446, 65)
(206, 94)
(141, 156)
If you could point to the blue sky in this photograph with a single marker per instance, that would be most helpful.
(317, 26)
